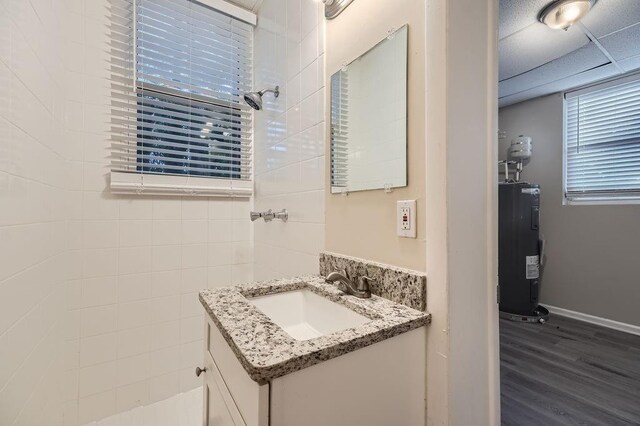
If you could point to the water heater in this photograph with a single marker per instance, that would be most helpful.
(519, 252)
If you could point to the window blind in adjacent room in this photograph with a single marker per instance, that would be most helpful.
(602, 141)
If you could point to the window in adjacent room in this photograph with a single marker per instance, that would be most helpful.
(602, 143)
(180, 69)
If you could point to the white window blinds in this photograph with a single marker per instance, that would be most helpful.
(602, 141)
(179, 70)
(339, 130)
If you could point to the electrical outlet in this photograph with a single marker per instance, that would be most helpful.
(406, 218)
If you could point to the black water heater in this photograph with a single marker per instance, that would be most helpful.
(519, 250)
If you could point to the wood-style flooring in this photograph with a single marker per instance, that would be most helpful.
(568, 372)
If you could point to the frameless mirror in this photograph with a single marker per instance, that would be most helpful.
(369, 119)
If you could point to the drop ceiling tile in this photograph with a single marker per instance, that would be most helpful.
(583, 59)
(630, 64)
(564, 84)
(608, 16)
(623, 44)
(516, 15)
(535, 46)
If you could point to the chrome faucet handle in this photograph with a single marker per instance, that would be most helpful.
(255, 216)
(282, 215)
(364, 283)
(268, 216)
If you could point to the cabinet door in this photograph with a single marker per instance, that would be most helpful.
(251, 399)
(219, 408)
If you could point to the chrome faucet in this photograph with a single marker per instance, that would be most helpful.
(269, 215)
(340, 278)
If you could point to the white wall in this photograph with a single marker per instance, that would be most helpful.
(463, 380)
(591, 251)
(33, 177)
(289, 137)
(472, 212)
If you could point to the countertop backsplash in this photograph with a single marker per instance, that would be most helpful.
(396, 284)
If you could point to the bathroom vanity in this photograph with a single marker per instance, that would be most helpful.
(294, 352)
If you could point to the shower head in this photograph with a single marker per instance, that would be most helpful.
(254, 99)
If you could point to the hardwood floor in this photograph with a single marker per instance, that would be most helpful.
(568, 372)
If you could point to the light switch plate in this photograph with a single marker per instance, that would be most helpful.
(406, 218)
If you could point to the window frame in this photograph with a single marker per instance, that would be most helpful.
(615, 199)
(149, 183)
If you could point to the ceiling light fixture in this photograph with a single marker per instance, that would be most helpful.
(561, 14)
(332, 8)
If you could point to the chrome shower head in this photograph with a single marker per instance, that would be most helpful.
(254, 99)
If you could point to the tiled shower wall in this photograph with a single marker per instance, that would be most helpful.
(33, 178)
(98, 307)
(98, 293)
(289, 137)
(134, 329)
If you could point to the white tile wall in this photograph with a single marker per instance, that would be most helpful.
(98, 293)
(289, 137)
(33, 178)
(134, 324)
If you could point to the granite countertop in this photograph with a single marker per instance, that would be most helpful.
(267, 352)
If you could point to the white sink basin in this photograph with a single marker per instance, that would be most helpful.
(305, 315)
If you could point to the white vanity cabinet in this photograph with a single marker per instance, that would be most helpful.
(220, 409)
(381, 384)
(230, 396)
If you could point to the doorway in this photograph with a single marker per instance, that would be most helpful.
(568, 134)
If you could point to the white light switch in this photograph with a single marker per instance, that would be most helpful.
(406, 218)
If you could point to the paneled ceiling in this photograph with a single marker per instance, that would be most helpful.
(536, 60)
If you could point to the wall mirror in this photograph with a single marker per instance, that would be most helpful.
(369, 118)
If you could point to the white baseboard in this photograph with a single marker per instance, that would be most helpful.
(615, 325)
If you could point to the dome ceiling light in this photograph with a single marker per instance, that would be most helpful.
(561, 14)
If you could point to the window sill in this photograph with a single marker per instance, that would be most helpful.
(189, 186)
(600, 201)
